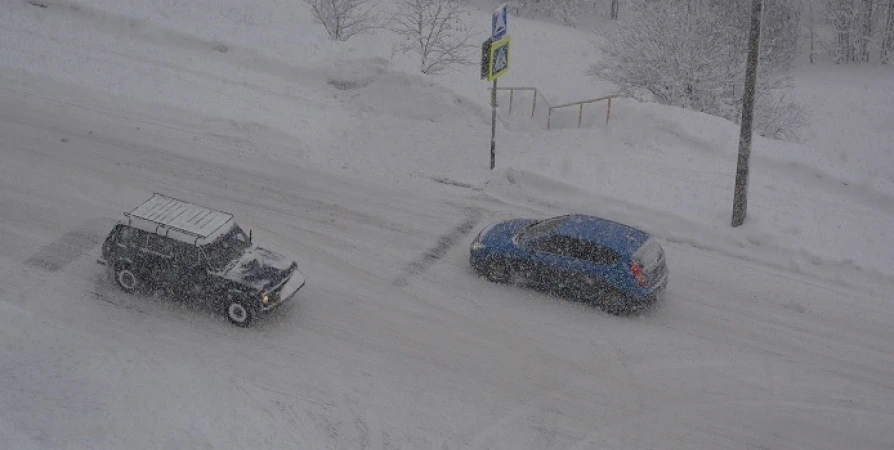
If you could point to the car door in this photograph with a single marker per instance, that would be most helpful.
(574, 275)
(188, 268)
(553, 266)
(158, 260)
(127, 244)
(593, 268)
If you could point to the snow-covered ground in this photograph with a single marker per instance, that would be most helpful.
(775, 335)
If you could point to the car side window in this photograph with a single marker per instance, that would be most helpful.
(555, 245)
(581, 250)
(573, 248)
(595, 253)
(133, 238)
(125, 236)
(186, 254)
(544, 245)
(158, 244)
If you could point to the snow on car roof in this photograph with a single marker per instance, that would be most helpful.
(166, 213)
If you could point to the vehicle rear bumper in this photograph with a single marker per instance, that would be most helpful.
(656, 296)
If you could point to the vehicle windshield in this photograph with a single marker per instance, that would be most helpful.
(227, 248)
(538, 229)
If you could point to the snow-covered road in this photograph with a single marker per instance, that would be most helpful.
(380, 351)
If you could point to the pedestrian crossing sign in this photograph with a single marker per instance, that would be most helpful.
(499, 59)
(498, 24)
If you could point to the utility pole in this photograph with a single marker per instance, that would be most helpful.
(740, 195)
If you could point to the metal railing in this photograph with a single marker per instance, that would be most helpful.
(550, 108)
(580, 111)
(512, 95)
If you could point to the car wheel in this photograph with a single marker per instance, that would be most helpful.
(498, 271)
(238, 313)
(126, 279)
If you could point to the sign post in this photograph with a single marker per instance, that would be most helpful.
(494, 64)
(493, 126)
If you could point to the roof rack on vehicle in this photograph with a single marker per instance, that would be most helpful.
(187, 221)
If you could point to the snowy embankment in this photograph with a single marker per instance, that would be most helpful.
(821, 207)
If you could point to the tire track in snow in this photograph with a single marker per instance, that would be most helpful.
(427, 259)
(70, 246)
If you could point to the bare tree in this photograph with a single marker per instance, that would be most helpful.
(437, 30)
(344, 19)
(567, 11)
(695, 58)
(888, 37)
(811, 30)
(843, 14)
(866, 39)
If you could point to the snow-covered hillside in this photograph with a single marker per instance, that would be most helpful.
(775, 335)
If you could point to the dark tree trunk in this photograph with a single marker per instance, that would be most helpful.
(888, 37)
(868, 6)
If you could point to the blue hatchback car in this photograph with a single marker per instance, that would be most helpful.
(619, 267)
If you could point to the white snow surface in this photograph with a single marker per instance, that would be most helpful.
(774, 335)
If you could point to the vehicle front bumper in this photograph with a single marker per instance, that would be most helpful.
(478, 259)
(288, 291)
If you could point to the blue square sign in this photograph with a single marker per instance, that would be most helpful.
(498, 23)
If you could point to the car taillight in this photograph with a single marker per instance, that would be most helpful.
(637, 270)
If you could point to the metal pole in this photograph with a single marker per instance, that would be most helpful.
(493, 125)
(534, 106)
(511, 93)
(740, 196)
(608, 113)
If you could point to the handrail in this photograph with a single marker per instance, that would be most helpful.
(550, 108)
(585, 101)
(512, 92)
(580, 112)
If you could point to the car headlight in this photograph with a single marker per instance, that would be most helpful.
(477, 246)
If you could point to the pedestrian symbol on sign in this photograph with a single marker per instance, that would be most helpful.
(501, 59)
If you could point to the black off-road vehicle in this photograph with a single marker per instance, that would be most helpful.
(192, 251)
